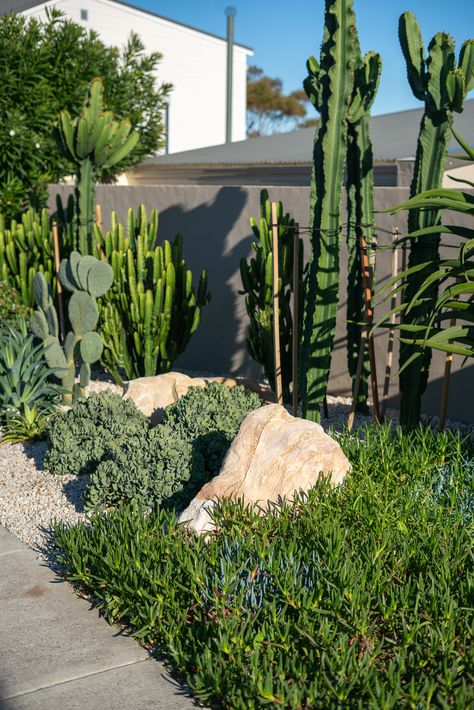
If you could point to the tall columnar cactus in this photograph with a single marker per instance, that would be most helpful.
(360, 204)
(150, 314)
(329, 87)
(94, 142)
(25, 248)
(442, 87)
(87, 279)
(257, 281)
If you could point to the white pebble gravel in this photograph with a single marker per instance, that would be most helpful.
(32, 498)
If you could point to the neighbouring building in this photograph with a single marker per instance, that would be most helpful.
(194, 61)
(285, 158)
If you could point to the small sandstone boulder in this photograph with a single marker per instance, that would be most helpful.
(273, 455)
(152, 394)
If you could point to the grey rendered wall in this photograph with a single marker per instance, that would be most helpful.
(215, 224)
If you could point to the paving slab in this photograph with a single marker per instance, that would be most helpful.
(9, 543)
(133, 687)
(53, 645)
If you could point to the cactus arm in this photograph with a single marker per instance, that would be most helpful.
(444, 91)
(411, 42)
(466, 64)
(321, 297)
(360, 207)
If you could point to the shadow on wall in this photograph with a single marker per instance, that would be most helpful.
(210, 241)
(459, 399)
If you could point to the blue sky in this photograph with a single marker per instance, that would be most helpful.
(283, 33)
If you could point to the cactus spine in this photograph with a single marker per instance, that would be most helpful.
(87, 279)
(94, 142)
(150, 314)
(257, 281)
(329, 87)
(360, 204)
(442, 87)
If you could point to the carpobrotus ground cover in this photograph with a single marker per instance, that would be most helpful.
(360, 596)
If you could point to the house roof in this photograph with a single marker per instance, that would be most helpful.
(394, 137)
(7, 6)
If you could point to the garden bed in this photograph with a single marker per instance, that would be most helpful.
(31, 497)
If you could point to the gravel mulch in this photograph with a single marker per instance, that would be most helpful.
(31, 498)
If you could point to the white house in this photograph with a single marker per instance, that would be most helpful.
(194, 61)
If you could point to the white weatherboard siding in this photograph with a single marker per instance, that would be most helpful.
(194, 62)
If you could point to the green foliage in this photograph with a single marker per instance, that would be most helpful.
(174, 460)
(149, 474)
(152, 310)
(329, 87)
(80, 437)
(11, 307)
(360, 207)
(439, 330)
(209, 417)
(86, 277)
(435, 80)
(93, 142)
(27, 395)
(359, 596)
(46, 68)
(268, 109)
(257, 281)
(25, 248)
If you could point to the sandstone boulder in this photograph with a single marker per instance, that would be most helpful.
(273, 455)
(152, 394)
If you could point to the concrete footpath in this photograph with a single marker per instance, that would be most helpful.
(55, 652)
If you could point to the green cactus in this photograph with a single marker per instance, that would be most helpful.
(360, 205)
(94, 142)
(442, 87)
(150, 314)
(257, 281)
(329, 87)
(87, 279)
(25, 248)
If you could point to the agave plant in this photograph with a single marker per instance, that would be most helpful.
(27, 392)
(449, 326)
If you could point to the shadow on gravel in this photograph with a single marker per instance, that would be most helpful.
(74, 491)
(37, 452)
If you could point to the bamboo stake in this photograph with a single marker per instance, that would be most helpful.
(325, 408)
(98, 219)
(355, 393)
(446, 380)
(98, 216)
(57, 261)
(276, 314)
(367, 272)
(404, 266)
(391, 332)
(296, 335)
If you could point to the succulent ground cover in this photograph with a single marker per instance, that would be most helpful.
(359, 596)
(107, 437)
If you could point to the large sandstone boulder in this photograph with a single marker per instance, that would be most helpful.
(273, 455)
(152, 394)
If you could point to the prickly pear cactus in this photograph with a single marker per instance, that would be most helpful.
(442, 86)
(88, 279)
